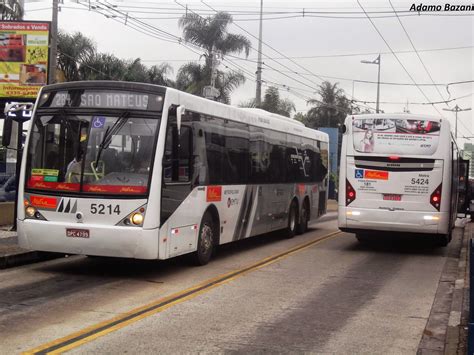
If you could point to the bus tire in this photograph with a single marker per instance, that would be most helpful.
(443, 240)
(304, 217)
(206, 241)
(362, 238)
(290, 231)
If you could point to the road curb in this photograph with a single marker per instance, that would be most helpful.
(28, 257)
(445, 327)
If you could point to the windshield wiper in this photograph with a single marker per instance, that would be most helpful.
(110, 132)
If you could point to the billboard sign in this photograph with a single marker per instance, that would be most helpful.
(24, 55)
(395, 136)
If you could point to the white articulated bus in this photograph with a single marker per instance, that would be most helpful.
(399, 173)
(148, 172)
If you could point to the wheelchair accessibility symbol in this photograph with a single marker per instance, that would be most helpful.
(98, 122)
(359, 173)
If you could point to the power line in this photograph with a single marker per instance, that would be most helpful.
(417, 54)
(419, 103)
(266, 44)
(398, 59)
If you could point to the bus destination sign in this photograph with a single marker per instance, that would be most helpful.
(105, 99)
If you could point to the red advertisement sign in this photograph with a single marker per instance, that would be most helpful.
(214, 194)
(44, 202)
(376, 175)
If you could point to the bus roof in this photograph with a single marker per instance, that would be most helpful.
(405, 116)
(252, 116)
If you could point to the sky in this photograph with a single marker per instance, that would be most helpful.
(299, 52)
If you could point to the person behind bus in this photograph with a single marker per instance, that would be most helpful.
(368, 141)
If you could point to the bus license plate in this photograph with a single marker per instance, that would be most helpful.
(392, 197)
(77, 233)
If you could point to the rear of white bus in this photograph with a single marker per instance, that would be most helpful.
(395, 176)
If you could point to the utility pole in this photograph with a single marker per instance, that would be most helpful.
(456, 109)
(258, 96)
(53, 44)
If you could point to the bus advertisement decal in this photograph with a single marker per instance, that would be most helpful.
(214, 194)
(118, 189)
(44, 202)
(53, 185)
(376, 175)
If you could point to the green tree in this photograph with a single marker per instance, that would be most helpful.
(159, 75)
(330, 109)
(273, 103)
(11, 10)
(103, 66)
(211, 34)
(73, 51)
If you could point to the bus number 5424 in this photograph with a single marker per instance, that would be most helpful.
(419, 181)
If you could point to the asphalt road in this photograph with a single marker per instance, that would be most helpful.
(333, 296)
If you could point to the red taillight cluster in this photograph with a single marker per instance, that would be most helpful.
(435, 198)
(350, 193)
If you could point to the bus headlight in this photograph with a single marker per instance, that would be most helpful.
(136, 218)
(30, 211)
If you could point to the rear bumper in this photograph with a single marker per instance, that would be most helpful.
(392, 221)
(125, 242)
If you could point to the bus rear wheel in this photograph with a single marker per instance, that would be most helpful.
(443, 239)
(303, 225)
(206, 241)
(290, 231)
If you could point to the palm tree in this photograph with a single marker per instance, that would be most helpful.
(211, 34)
(273, 103)
(74, 50)
(11, 10)
(331, 109)
(158, 74)
(192, 77)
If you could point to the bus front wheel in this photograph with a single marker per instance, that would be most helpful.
(206, 241)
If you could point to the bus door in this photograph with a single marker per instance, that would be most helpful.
(176, 182)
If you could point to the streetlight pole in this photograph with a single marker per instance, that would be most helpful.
(456, 109)
(376, 61)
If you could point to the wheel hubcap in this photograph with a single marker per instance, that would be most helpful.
(206, 239)
(292, 219)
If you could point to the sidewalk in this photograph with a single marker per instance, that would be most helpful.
(12, 255)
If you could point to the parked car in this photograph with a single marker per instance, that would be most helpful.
(8, 190)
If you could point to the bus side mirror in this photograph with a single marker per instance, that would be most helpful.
(180, 111)
(7, 132)
(343, 129)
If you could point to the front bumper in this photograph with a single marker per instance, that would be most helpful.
(114, 241)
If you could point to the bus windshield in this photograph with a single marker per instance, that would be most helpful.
(107, 154)
(395, 136)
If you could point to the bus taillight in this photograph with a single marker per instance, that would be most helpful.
(435, 198)
(350, 193)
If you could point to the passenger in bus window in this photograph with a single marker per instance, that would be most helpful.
(73, 172)
(368, 141)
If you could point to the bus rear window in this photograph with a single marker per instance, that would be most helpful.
(395, 136)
